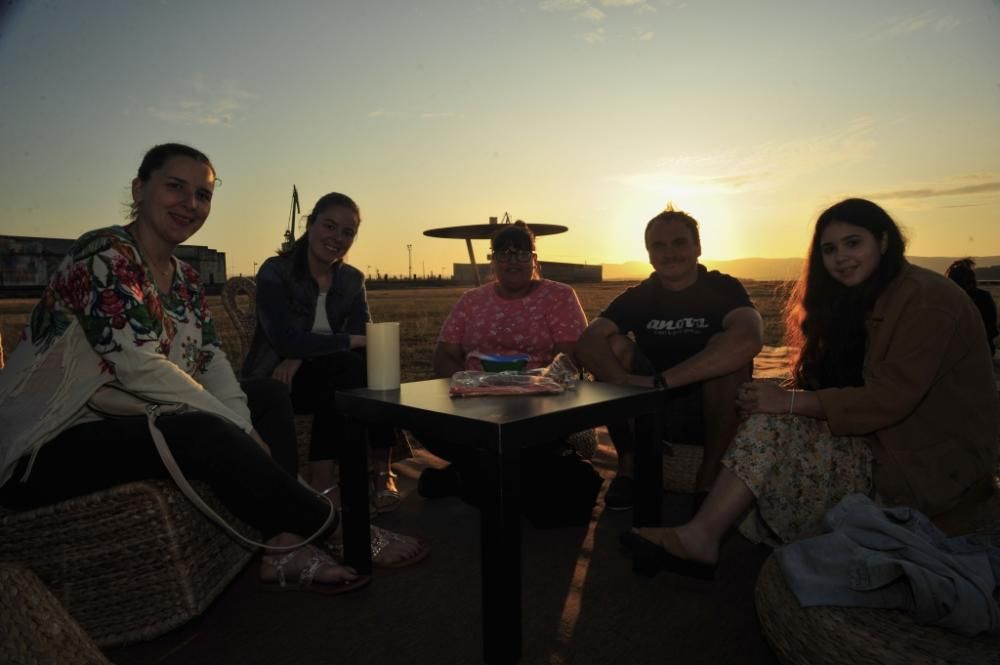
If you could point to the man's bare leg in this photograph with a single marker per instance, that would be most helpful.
(721, 420)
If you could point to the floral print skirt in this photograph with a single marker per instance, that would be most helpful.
(797, 469)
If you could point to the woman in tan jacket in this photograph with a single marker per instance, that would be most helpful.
(892, 396)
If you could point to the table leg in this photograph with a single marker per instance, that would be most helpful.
(648, 506)
(354, 506)
(501, 555)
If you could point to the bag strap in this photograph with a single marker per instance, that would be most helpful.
(152, 411)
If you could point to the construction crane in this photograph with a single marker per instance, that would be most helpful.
(292, 216)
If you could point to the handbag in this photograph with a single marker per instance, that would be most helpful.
(112, 400)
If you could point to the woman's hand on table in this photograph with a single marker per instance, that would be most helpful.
(358, 341)
(286, 369)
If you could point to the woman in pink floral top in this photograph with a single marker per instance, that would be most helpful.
(121, 307)
(518, 313)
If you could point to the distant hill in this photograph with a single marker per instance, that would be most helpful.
(783, 269)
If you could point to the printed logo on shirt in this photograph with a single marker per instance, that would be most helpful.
(685, 326)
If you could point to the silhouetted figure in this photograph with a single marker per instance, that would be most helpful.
(961, 272)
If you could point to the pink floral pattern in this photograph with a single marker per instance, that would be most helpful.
(483, 321)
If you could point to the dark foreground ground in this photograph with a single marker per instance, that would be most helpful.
(582, 603)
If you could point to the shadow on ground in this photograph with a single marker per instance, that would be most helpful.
(582, 603)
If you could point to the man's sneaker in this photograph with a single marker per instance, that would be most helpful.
(619, 494)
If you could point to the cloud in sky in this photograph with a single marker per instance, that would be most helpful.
(588, 11)
(898, 26)
(592, 14)
(987, 184)
(206, 104)
(758, 166)
(595, 36)
(563, 5)
(426, 115)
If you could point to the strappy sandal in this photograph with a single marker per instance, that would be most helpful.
(386, 497)
(296, 571)
(382, 539)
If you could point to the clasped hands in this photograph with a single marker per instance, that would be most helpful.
(762, 396)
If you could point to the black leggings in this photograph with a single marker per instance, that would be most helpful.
(259, 489)
(314, 392)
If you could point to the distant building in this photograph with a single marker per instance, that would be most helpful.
(560, 272)
(26, 263)
(989, 274)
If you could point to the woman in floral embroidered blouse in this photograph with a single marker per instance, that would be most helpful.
(121, 307)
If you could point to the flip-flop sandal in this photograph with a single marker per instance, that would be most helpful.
(382, 538)
(305, 579)
(386, 497)
(651, 556)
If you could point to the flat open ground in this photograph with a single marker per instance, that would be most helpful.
(421, 313)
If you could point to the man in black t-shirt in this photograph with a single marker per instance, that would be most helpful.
(696, 333)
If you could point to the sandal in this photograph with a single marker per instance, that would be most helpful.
(386, 497)
(384, 542)
(297, 571)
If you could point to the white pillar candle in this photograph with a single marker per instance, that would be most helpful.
(383, 355)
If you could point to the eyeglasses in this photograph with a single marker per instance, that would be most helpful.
(508, 255)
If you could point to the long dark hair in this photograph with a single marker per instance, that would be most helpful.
(157, 156)
(300, 248)
(824, 319)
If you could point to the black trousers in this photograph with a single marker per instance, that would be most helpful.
(260, 489)
(314, 391)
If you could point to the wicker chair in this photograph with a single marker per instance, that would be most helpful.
(34, 627)
(680, 467)
(239, 298)
(855, 635)
(128, 563)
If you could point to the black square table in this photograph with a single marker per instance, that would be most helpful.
(499, 426)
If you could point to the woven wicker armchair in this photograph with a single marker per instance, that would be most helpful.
(128, 563)
(34, 627)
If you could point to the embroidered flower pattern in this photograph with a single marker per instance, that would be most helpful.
(103, 284)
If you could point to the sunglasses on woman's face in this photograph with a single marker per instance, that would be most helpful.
(511, 254)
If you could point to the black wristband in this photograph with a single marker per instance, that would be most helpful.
(659, 382)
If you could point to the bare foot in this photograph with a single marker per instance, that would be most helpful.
(683, 542)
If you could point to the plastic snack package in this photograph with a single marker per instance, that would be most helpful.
(557, 377)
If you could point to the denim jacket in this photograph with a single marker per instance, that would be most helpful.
(896, 557)
(286, 309)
